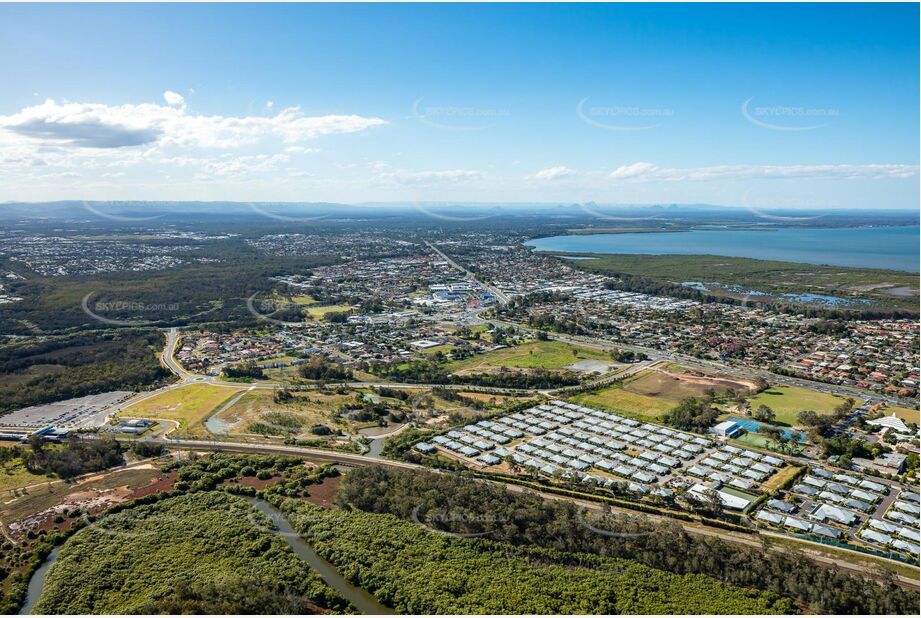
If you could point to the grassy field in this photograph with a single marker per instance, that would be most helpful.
(256, 411)
(543, 354)
(438, 348)
(189, 405)
(304, 299)
(13, 474)
(617, 399)
(650, 393)
(788, 401)
(764, 275)
(759, 441)
(909, 415)
(318, 312)
(258, 407)
(781, 477)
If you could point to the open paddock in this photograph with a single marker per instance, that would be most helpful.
(676, 386)
(535, 355)
(188, 405)
(788, 401)
(618, 399)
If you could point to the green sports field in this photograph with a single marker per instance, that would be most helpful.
(788, 401)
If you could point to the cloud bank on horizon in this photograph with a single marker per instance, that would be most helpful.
(362, 133)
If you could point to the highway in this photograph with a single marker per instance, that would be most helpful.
(168, 359)
(283, 449)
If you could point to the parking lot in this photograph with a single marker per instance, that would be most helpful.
(67, 414)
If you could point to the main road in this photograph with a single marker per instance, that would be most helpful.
(502, 296)
(741, 371)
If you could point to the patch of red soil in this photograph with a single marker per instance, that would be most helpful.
(324, 494)
(48, 524)
(161, 483)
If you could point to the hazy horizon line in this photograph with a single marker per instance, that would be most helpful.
(521, 204)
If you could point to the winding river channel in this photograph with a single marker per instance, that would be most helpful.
(361, 599)
(37, 583)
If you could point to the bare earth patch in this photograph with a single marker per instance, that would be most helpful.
(324, 494)
(678, 386)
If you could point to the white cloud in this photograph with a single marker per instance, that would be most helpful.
(300, 150)
(650, 172)
(96, 125)
(387, 173)
(173, 98)
(634, 170)
(228, 165)
(554, 173)
(424, 177)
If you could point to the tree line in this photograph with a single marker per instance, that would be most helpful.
(428, 372)
(78, 365)
(526, 519)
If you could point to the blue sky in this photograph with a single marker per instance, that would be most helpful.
(751, 105)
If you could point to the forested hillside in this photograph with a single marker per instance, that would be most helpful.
(214, 291)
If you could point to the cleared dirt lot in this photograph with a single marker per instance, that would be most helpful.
(654, 392)
(681, 385)
(38, 505)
